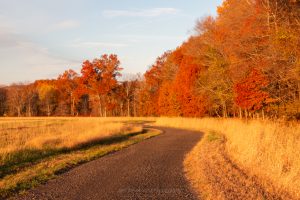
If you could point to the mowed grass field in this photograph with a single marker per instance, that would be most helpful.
(34, 150)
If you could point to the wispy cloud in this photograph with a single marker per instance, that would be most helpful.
(155, 12)
(65, 24)
(26, 60)
(98, 44)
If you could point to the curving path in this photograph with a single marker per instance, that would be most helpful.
(152, 169)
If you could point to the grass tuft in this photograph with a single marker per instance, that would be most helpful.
(213, 136)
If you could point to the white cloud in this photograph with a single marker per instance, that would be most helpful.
(155, 12)
(39, 58)
(98, 44)
(7, 40)
(66, 24)
(23, 60)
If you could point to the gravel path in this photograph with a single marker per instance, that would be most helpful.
(152, 169)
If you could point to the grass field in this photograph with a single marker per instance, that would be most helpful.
(20, 138)
(33, 150)
(266, 149)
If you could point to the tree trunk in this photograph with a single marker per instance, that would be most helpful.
(48, 110)
(240, 112)
(73, 107)
(100, 107)
(19, 111)
(268, 17)
(275, 19)
(134, 106)
(121, 107)
(29, 109)
(100, 110)
(224, 110)
(128, 107)
(246, 114)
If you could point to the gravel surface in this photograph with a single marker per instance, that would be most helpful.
(152, 169)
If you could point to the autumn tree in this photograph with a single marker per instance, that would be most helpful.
(31, 100)
(3, 101)
(67, 84)
(189, 101)
(247, 58)
(149, 92)
(16, 99)
(130, 84)
(99, 78)
(47, 96)
(168, 95)
(282, 18)
(251, 94)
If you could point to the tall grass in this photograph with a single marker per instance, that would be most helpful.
(269, 150)
(35, 150)
(21, 137)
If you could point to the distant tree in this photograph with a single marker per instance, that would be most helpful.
(99, 78)
(130, 84)
(247, 58)
(47, 96)
(3, 101)
(67, 84)
(16, 99)
(149, 92)
(32, 100)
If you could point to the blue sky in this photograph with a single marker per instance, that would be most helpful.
(39, 39)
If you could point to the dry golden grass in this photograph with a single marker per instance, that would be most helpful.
(268, 150)
(34, 150)
(215, 177)
(21, 134)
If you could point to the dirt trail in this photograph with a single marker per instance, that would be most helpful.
(152, 169)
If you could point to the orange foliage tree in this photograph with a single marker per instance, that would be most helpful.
(99, 79)
(250, 92)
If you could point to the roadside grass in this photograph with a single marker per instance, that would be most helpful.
(195, 165)
(213, 136)
(32, 174)
(265, 149)
(215, 177)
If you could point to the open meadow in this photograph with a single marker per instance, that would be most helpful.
(33, 150)
(262, 153)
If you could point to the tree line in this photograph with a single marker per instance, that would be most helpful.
(96, 91)
(243, 63)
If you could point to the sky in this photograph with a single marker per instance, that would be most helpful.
(40, 39)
